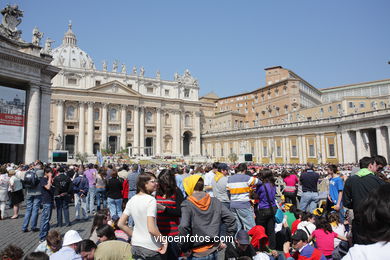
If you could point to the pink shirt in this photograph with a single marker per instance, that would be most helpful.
(291, 181)
(324, 241)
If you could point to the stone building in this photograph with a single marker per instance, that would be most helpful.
(290, 121)
(25, 66)
(115, 109)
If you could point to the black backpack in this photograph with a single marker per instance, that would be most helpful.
(31, 179)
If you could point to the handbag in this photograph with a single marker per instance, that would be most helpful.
(279, 215)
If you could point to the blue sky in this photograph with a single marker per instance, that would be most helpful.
(226, 44)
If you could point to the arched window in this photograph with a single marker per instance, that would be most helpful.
(187, 121)
(128, 116)
(70, 112)
(149, 117)
(113, 113)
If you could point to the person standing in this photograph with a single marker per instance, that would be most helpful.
(239, 186)
(90, 174)
(336, 187)
(132, 178)
(101, 194)
(219, 184)
(4, 186)
(80, 189)
(208, 179)
(16, 195)
(47, 193)
(62, 191)
(33, 199)
(309, 180)
(290, 190)
(114, 194)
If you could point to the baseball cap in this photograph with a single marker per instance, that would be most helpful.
(223, 166)
(243, 237)
(71, 237)
(299, 235)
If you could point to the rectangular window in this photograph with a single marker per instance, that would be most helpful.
(97, 82)
(351, 105)
(128, 129)
(186, 93)
(278, 151)
(362, 105)
(311, 150)
(96, 128)
(129, 86)
(72, 81)
(265, 151)
(149, 90)
(70, 127)
(294, 152)
(167, 92)
(331, 150)
(149, 131)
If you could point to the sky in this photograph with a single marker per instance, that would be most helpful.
(225, 44)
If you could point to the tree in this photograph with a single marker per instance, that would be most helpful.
(82, 157)
(233, 158)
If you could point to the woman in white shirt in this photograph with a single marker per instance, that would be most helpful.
(16, 189)
(4, 186)
(146, 239)
(307, 224)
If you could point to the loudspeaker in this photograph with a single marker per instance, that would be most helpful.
(248, 157)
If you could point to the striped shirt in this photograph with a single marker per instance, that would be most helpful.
(239, 186)
(168, 225)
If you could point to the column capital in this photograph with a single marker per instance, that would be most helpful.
(59, 102)
(105, 104)
(34, 85)
(46, 90)
(82, 103)
(123, 107)
(90, 104)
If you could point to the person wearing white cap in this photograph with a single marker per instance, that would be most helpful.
(69, 247)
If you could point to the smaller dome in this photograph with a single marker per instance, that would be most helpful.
(69, 55)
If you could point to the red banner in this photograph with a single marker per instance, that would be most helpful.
(14, 120)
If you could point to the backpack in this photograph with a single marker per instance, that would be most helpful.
(31, 179)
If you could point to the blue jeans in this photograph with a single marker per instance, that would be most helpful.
(245, 218)
(45, 220)
(80, 206)
(32, 211)
(101, 195)
(213, 256)
(62, 204)
(91, 199)
(115, 206)
(309, 201)
(130, 221)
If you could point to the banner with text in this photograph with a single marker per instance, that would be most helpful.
(12, 115)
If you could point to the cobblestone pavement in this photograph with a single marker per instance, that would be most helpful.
(11, 229)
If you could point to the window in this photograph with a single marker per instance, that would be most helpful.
(149, 117)
(128, 130)
(351, 105)
(187, 120)
(167, 92)
(128, 116)
(97, 82)
(129, 86)
(166, 119)
(186, 93)
(149, 90)
(149, 130)
(265, 151)
(330, 109)
(113, 114)
(72, 81)
(96, 114)
(362, 104)
(96, 128)
(70, 112)
(339, 106)
(331, 150)
(311, 150)
(294, 152)
(252, 149)
(278, 151)
(222, 151)
(70, 127)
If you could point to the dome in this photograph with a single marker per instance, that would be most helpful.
(69, 55)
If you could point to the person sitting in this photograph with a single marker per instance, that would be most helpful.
(69, 248)
(87, 249)
(240, 247)
(110, 247)
(36, 256)
(52, 243)
(302, 248)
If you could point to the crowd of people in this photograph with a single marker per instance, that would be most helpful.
(216, 211)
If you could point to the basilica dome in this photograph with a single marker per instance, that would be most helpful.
(69, 55)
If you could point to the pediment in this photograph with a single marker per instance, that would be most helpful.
(114, 87)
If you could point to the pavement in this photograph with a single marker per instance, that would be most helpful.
(11, 229)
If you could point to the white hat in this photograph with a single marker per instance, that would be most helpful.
(71, 237)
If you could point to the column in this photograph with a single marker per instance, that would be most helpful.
(176, 133)
(323, 150)
(60, 125)
(360, 150)
(300, 150)
(339, 148)
(44, 128)
(81, 127)
(136, 131)
(32, 125)
(142, 131)
(123, 127)
(90, 129)
(197, 133)
(103, 143)
(381, 142)
(304, 150)
(158, 131)
(349, 148)
(318, 149)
